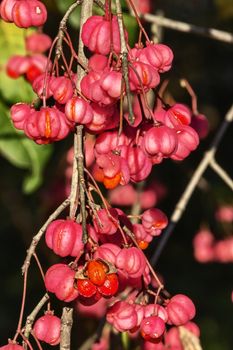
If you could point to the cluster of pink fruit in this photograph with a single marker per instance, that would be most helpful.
(150, 320)
(111, 261)
(152, 136)
(106, 268)
(208, 249)
(34, 63)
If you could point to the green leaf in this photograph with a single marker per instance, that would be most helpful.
(125, 340)
(12, 43)
(22, 152)
(39, 156)
(131, 25)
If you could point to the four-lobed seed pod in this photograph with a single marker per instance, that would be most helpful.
(48, 328)
(64, 237)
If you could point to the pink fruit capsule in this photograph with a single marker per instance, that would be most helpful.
(59, 279)
(152, 327)
(47, 328)
(96, 34)
(62, 89)
(159, 56)
(38, 42)
(78, 110)
(180, 310)
(160, 140)
(11, 346)
(64, 237)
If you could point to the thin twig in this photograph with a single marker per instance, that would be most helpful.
(136, 208)
(66, 326)
(40, 233)
(185, 197)
(185, 84)
(131, 5)
(74, 181)
(100, 4)
(86, 12)
(124, 57)
(78, 163)
(19, 326)
(161, 21)
(157, 30)
(31, 318)
(62, 27)
(131, 235)
(189, 28)
(221, 173)
(82, 195)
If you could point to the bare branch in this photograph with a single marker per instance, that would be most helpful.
(62, 27)
(185, 197)
(86, 12)
(124, 55)
(82, 195)
(221, 173)
(31, 318)
(66, 326)
(100, 4)
(74, 181)
(189, 28)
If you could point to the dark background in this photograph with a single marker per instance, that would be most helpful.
(207, 65)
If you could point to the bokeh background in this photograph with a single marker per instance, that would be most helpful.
(31, 187)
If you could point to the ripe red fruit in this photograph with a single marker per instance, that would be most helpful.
(110, 286)
(96, 272)
(47, 328)
(143, 245)
(17, 65)
(112, 182)
(86, 288)
(152, 327)
(32, 73)
(37, 66)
